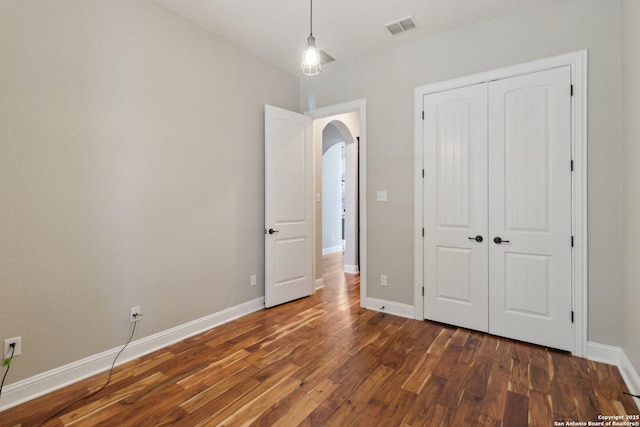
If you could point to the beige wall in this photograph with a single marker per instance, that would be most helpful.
(131, 174)
(631, 181)
(387, 81)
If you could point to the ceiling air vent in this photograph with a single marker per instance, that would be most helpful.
(401, 26)
(325, 57)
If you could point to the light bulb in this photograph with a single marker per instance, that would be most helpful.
(311, 58)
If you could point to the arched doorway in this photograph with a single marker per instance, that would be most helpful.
(353, 115)
(340, 193)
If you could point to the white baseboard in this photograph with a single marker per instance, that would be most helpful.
(630, 376)
(319, 284)
(395, 308)
(616, 356)
(331, 250)
(351, 269)
(46, 382)
(603, 353)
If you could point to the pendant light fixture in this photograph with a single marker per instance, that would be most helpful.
(311, 57)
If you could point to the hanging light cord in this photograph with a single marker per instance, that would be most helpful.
(311, 19)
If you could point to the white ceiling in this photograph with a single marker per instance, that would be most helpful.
(276, 30)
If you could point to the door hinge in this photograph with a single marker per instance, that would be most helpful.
(423, 115)
(423, 173)
(571, 165)
(422, 231)
(423, 291)
(571, 316)
(571, 90)
(571, 241)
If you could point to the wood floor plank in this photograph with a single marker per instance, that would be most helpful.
(489, 346)
(243, 403)
(454, 387)
(539, 373)
(301, 409)
(215, 370)
(326, 361)
(487, 421)
(425, 402)
(395, 400)
(309, 381)
(248, 413)
(476, 383)
(564, 406)
(504, 356)
(356, 367)
(321, 366)
(585, 399)
(441, 342)
(439, 416)
(99, 407)
(321, 415)
(422, 372)
(519, 376)
(561, 364)
(448, 361)
(144, 411)
(516, 412)
(220, 403)
(395, 406)
(395, 350)
(469, 410)
(351, 401)
(215, 390)
(540, 410)
(428, 332)
(470, 348)
(495, 397)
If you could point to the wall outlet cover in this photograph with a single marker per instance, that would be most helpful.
(7, 349)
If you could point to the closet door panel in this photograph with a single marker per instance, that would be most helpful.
(530, 208)
(455, 197)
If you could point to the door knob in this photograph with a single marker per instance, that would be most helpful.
(498, 240)
(272, 231)
(478, 238)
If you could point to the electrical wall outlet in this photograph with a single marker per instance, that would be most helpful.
(383, 280)
(134, 314)
(7, 349)
(254, 280)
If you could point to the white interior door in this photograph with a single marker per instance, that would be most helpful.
(288, 206)
(530, 208)
(455, 213)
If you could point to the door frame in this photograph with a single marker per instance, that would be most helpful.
(359, 105)
(579, 277)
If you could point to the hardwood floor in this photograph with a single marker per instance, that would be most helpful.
(324, 361)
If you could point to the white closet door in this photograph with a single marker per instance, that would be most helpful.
(530, 208)
(455, 198)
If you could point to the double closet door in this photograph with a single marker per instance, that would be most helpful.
(497, 207)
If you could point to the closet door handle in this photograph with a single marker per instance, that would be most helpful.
(271, 231)
(478, 238)
(498, 240)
